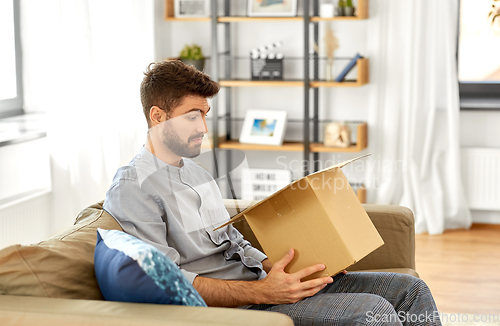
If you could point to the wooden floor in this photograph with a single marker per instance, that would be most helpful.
(462, 268)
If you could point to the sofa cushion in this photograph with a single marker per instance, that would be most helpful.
(60, 267)
(131, 270)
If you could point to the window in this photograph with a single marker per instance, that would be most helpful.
(11, 93)
(479, 54)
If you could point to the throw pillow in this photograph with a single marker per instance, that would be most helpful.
(59, 267)
(131, 270)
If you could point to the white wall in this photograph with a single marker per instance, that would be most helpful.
(481, 129)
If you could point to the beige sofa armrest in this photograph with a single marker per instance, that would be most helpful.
(396, 226)
(21, 310)
(394, 223)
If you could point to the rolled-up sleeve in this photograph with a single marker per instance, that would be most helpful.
(249, 251)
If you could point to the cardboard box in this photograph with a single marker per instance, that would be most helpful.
(319, 216)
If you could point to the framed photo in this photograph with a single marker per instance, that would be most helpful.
(272, 8)
(263, 127)
(192, 8)
(257, 184)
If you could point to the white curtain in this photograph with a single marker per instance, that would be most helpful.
(83, 64)
(414, 113)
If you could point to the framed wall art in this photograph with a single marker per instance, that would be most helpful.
(272, 8)
(263, 127)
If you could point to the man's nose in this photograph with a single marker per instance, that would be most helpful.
(202, 127)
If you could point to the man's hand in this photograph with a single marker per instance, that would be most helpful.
(278, 287)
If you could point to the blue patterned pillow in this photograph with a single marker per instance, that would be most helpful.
(130, 270)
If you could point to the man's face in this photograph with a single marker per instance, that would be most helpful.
(183, 132)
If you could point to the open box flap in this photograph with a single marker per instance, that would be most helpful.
(340, 165)
(236, 218)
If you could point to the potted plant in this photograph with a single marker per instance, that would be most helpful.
(193, 55)
(340, 8)
(349, 8)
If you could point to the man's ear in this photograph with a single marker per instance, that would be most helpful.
(157, 115)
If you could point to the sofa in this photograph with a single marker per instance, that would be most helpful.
(53, 282)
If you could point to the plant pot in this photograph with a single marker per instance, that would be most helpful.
(340, 11)
(349, 11)
(198, 64)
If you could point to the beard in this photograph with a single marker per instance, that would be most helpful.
(179, 147)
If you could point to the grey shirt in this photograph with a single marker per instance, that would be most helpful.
(176, 210)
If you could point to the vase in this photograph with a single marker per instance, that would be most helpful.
(198, 64)
(349, 11)
(329, 69)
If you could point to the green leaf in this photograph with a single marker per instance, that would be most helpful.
(192, 52)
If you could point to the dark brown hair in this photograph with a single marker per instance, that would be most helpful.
(166, 83)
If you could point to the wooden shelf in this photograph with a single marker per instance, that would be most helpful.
(228, 19)
(261, 83)
(361, 10)
(362, 143)
(362, 79)
(290, 147)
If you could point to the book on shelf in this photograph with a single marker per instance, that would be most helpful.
(348, 68)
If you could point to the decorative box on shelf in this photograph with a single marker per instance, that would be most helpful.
(267, 68)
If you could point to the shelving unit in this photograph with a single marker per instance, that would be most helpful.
(309, 81)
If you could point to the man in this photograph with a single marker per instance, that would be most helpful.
(169, 201)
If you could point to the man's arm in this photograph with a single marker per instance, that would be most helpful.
(278, 287)
(267, 265)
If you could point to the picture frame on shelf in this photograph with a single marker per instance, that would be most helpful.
(272, 8)
(266, 127)
(191, 8)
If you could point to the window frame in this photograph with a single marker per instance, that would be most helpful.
(482, 96)
(14, 106)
